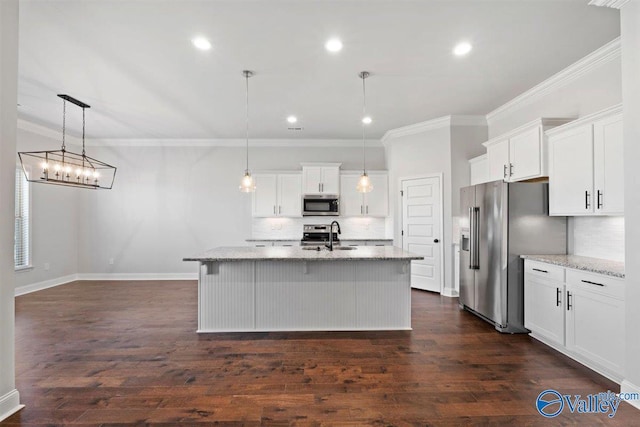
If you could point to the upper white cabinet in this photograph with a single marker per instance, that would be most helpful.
(479, 170)
(320, 178)
(374, 203)
(522, 153)
(277, 195)
(586, 166)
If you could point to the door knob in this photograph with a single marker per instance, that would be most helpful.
(435, 240)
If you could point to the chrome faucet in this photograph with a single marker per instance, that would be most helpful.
(330, 245)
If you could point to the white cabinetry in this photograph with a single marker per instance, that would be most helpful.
(374, 203)
(479, 170)
(579, 313)
(321, 178)
(586, 166)
(544, 297)
(522, 153)
(277, 195)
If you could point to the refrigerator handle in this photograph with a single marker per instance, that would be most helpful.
(474, 235)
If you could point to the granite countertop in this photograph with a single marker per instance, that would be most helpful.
(593, 265)
(288, 253)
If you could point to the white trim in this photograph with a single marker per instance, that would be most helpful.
(616, 4)
(627, 387)
(10, 404)
(595, 59)
(45, 284)
(544, 122)
(438, 123)
(450, 292)
(440, 177)
(137, 276)
(477, 159)
(615, 109)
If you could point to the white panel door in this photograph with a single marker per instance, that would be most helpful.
(608, 169)
(290, 195)
(571, 172)
(525, 154)
(498, 158)
(377, 201)
(265, 197)
(422, 230)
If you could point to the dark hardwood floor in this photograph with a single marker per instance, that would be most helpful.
(92, 353)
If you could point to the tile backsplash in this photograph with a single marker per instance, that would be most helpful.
(598, 237)
(291, 228)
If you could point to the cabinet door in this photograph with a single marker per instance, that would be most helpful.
(265, 197)
(544, 308)
(498, 158)
(351, 202)
(311, 179)
(595, 327)
(571, 172)
(290, 195)
(608, 169)
(330, 180)
(525, 155)
(376, 203)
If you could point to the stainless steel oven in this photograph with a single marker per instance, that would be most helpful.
(320, 205)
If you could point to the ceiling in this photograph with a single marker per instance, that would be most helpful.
(134, 63)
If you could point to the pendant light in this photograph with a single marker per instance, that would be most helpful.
(247, 185)
(62, 167)
(364, 183)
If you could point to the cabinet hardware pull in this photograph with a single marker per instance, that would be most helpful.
(504, 171)
(361, 210)
(599, 199)
(274, 209)
(319, 190)
(322, 187)
(587, 204)
(510, 169)
(367, 209)
(569, 301)
(541, 271)
(592, 283)
(558, 302)
(279, 209)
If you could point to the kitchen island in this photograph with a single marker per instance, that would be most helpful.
(247, 289)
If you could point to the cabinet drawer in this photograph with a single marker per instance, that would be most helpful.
(598, 283)
(550, 271)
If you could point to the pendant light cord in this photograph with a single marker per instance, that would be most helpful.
(364, 112)
(246, 75)
(64, 123)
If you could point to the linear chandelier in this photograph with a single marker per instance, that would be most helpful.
(62, 167)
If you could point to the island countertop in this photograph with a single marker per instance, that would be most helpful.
(289, 253)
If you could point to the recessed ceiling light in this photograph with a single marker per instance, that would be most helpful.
(333, 45)
(366, 120)
(292, 119)
(462, 48)
(201, 43)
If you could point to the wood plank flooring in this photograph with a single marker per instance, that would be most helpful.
(126, 353)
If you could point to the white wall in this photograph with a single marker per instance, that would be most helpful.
(9, 397)
(630, 15)
(172, 202)
(598, 237)
(54, 222)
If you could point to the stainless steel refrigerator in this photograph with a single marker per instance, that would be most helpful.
(500, 221)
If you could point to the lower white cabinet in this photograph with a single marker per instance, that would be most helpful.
(579, 313)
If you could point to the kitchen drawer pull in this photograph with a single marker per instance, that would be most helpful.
(274, 209)
(361, 210)
(599, 199)
(510, 169)
(558, 302)
(367, 209)
(279, 209)
(592, 283)
(504, 171)
(569, 301)
(587, 204)
(541, 271)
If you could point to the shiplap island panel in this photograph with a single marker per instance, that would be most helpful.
(246, 289)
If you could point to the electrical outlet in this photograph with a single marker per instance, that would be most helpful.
(111, 261)
(46, 266)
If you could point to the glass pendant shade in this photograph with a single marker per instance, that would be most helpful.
(247, 185)
(364, 184)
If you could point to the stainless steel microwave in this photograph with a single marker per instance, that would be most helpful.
(320, 205)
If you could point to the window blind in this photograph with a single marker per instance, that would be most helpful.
(21, 250)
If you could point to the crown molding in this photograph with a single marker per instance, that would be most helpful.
(616, 4)
(595, 59)
(439, 123)
(230, 142)
(614, 109)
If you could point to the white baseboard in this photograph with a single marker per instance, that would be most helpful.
(137, 276)
(448, 292)
(10, 404)
(27, 289)
(627, 387)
